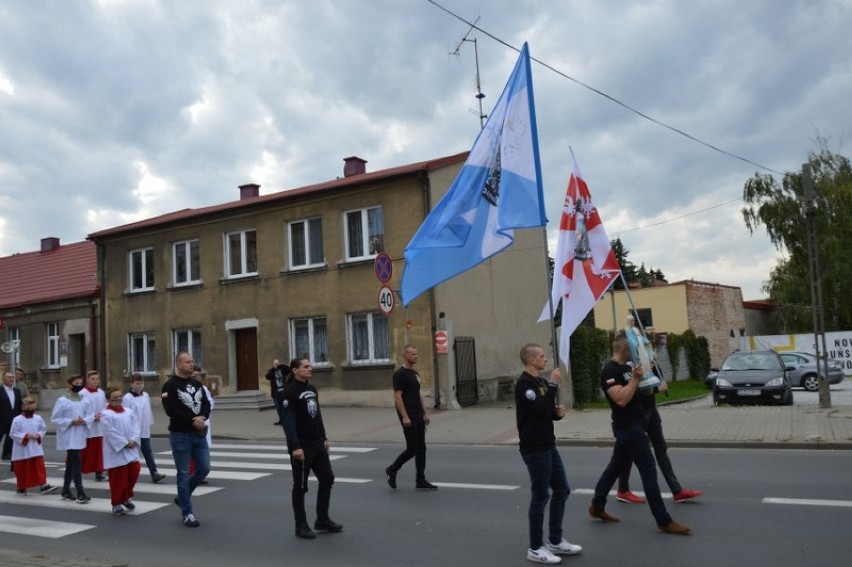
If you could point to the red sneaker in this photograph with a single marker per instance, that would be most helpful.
(630, 498)
(685, 495)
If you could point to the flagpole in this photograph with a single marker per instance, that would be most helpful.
(632, 305)
(549, 280)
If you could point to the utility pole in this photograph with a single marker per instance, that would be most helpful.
(809, 194)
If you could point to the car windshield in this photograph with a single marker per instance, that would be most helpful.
(751, 361)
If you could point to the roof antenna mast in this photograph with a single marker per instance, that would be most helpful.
(479, 95)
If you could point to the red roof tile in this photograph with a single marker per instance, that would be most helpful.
(32, 278)
(337, 184)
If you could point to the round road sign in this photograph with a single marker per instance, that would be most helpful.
(383, 265)
(386, 300)
(441, 342)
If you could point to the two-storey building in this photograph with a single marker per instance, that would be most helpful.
(292, 274)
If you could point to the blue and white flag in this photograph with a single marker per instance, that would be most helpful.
(498, 189)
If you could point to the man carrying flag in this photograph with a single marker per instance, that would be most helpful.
(497, 190)
(585, 265)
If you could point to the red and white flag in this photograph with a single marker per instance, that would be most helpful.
(585, 265)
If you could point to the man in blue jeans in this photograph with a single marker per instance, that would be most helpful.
(188, 409)
(620, 384)
(535, 410)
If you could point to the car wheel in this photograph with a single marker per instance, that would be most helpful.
(810, 382)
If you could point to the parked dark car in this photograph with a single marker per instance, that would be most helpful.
(753, 378)
(805, 370)
(710, 379)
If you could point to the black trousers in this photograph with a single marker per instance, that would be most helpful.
(316, 461)
(661, 452)
(415, 446)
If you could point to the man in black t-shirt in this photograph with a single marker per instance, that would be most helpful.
(412, 416)
(620, 384)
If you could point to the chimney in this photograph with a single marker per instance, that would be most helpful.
(249, 190)
(49, 243)
(354, 166)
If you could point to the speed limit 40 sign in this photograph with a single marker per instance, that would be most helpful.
(386, 301)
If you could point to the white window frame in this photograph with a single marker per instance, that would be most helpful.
(369, 356)
(313, 356)
(149, 367)
(188, 262)
(306, 240)
(52, 342)
(244, 265)
(147, 256)
(194, 344)
(15, 338)
(365, 235)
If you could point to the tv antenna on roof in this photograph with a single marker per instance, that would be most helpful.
(457, 51)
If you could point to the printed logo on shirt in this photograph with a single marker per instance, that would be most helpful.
(610, 381)
(286, 403)
(191, 398)
(312, 407)
(530, 395)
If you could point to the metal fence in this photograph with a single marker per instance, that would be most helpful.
(467, 391)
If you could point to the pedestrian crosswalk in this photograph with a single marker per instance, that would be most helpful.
(239, 462)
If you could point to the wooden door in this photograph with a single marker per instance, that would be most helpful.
(246, 353)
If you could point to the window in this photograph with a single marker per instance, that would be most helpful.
(185, 263)
(645, 317)
(142, 269)
(368, 338)
(306, 243)
(309, 338)
(15, 338)
(365, 233)
(52, 345)
(241, 253)
(142, 353)
(189, 340)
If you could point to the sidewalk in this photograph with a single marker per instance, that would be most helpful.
(685, 425)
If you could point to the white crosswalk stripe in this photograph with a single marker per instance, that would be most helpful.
(164, 488)
(41, 528)
(222, 475)
(96, 505)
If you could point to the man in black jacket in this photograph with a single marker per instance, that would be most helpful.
(308, 447)
(276, 376)
(10, 407)
(188, 409)
(536, 409)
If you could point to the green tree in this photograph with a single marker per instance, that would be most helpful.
(628, 268)
(778, 207)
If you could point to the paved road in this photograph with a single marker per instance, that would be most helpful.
(772, 507)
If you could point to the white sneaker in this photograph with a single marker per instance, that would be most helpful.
(563, 548)
(542, 555)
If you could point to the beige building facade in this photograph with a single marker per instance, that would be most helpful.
(293, 273)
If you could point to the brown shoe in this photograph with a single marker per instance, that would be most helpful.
(674, 528)
(603, 516)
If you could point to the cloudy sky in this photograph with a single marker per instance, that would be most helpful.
(116, 110)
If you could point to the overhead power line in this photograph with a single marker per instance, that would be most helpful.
(607, 96)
